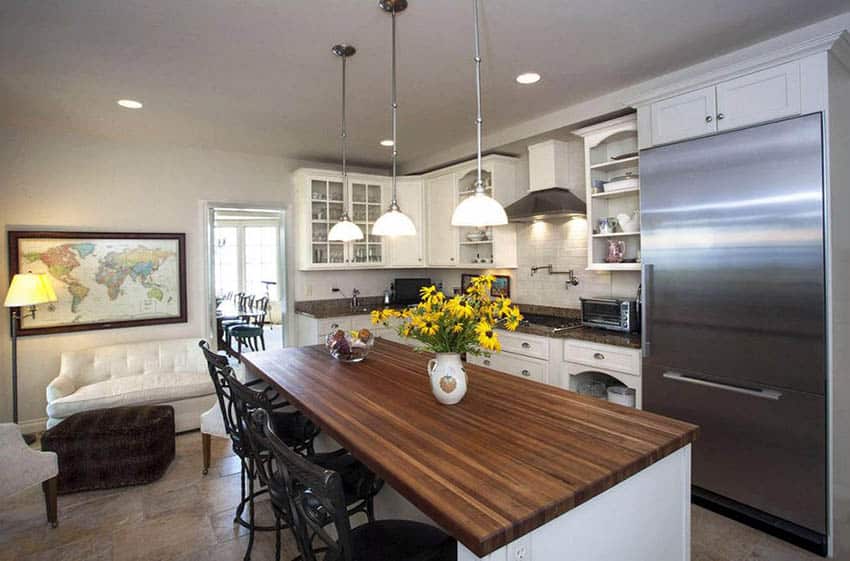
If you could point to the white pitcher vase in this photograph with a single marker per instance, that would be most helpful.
(448, 378)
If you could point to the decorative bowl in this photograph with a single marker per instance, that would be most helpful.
(351, 346)
(476, 236)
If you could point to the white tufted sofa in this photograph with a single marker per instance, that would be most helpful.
(171, 372)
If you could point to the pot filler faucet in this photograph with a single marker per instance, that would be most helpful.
(572, 281)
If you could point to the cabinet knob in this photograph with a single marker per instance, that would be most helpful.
(708, 118)
(420, 260)
(525, 373)
(598, 356)
(451, 258)
(526, 345)
(720, 116)
(486, 362)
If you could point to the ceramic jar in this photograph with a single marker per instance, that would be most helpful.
(448, 378)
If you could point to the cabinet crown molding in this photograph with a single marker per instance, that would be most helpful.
(838, 43)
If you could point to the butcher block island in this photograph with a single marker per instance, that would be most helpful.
(517, 470)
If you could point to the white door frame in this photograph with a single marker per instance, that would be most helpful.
(283, 286)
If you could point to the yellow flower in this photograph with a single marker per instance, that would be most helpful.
(487, 337)
(504, 306)
(406, 329)
(428, 327)
(427, 291)
(376, 317)
(459, 307)
(457, 327)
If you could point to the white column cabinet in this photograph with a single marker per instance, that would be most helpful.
(440, 194)
(409, 251)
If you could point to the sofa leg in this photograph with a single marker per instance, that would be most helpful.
(205, 444)
(51, 492)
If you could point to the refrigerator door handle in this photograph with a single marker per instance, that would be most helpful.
(762, 393)
(646, 288)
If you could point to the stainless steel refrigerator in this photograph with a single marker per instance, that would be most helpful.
(734, 317)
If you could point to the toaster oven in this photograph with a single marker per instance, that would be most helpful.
(615, 314)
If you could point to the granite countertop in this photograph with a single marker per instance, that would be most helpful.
(341, 307)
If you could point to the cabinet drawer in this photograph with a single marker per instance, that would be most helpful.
(520, 366)
(521, 344)
(603, 356)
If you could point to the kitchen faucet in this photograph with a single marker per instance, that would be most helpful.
(572, 281)
(355, 300)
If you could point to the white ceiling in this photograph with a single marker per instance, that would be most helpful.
(258, 75)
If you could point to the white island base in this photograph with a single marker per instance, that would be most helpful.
(647, 517)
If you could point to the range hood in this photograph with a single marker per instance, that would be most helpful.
(547, 167)
(555, 202)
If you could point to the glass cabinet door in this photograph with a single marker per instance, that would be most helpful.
(326, 206)
(366, 206)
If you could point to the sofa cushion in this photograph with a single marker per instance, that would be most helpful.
(142, 389)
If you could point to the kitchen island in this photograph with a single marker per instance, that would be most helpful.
(515, 465)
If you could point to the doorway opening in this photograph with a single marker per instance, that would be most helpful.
(247, 273)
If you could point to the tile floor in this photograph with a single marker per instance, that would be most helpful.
(187, 516)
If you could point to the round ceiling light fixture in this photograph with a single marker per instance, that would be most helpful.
(528, 78)
(387, 142)
(129, 103)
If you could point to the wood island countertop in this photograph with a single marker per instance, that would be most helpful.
(513, 455)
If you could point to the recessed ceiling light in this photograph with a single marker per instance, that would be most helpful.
(528, 78)
(129, 103)
(387, 142)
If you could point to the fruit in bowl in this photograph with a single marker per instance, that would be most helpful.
(353, 346)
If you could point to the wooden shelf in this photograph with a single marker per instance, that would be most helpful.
(615, 164)
(616, 235)
(483, 242)
(612, 194)
(614, 267)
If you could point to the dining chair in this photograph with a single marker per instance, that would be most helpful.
(252, 333)
(317, 500)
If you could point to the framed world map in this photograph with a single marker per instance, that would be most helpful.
(103, 280)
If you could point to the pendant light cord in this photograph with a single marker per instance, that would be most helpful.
(394, 203)
(479, 183)
(343, 138)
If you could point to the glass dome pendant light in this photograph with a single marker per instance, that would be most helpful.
(345, 230)
(394, 222)
(479, 209)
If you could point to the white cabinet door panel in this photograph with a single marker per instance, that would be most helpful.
(442, 236)
(684, 116)
(409, 251)
(759, 97)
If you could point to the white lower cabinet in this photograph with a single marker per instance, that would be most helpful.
(526, 356)
(586, 361)
(312, 331)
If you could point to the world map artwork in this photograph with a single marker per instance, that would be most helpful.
(104, 280)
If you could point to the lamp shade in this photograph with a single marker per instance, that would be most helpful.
(479, 210)
(394, 223)
(29, 289)
(345, 231)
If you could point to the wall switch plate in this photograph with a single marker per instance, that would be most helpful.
(520, 549)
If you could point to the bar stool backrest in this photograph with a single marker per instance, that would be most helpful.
(316, 499)
(222, 377)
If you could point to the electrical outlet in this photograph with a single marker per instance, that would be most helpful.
(308, 291)
(520, 549)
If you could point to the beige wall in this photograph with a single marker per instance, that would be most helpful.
(65, 181)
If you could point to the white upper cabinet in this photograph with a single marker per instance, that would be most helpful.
(442, 236)
(684, 116)
(409, 251)
(762, 96)
(758, 97)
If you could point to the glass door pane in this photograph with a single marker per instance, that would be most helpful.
(226, 260)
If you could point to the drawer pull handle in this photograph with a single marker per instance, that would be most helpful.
(598, 356)
(486, 362)
(526, 345)
(708, 118)
(525, 373)
(720, 116)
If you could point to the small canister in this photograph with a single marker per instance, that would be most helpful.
(621, 395)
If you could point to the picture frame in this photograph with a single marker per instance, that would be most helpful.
(501, 285)
(103, 280)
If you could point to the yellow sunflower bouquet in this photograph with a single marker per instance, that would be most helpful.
(462, 324)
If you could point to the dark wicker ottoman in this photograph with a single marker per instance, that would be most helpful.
(108, 448)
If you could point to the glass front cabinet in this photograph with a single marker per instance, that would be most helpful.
(319, 203)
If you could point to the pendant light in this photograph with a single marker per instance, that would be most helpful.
(345, 230)
(479, 209)
(394, 222)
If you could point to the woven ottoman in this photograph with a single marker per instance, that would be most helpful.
(108, 448)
